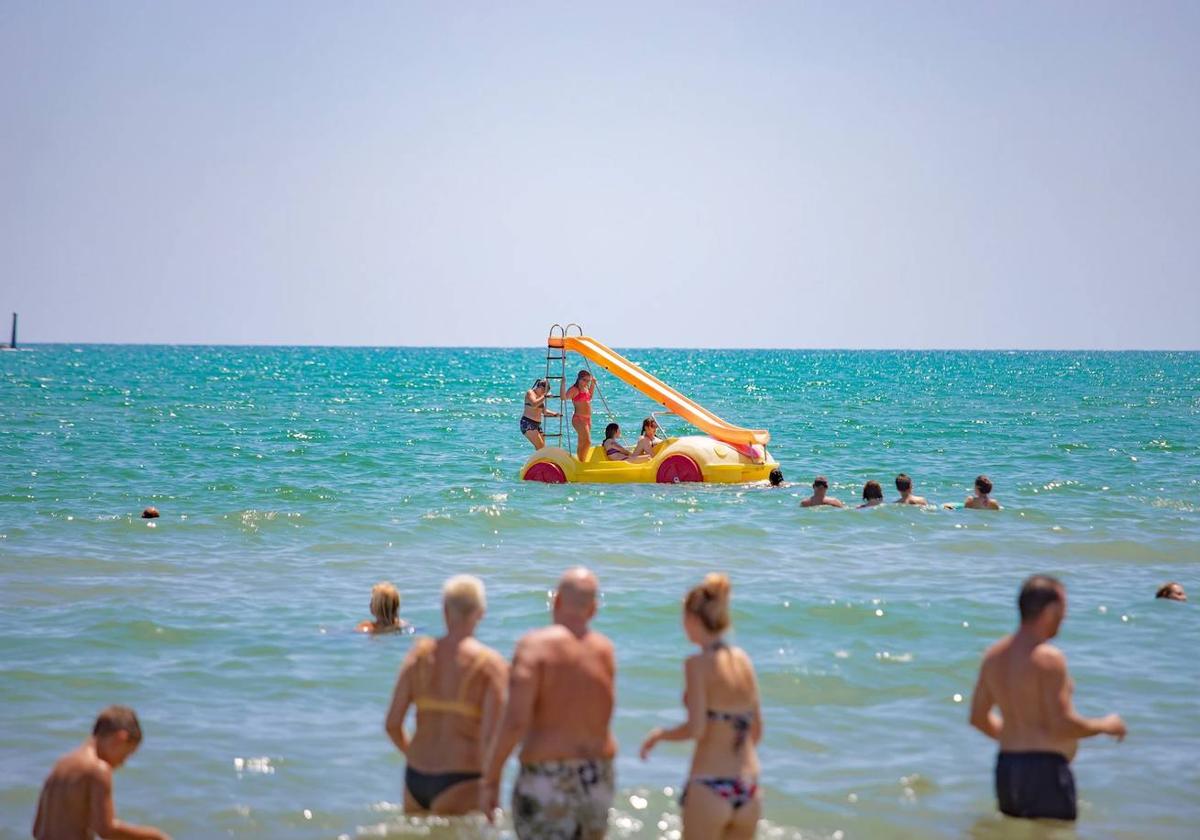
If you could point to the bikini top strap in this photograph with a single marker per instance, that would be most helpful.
(423, 650)
(477, 663)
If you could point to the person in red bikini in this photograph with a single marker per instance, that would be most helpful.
(580, 395)
(721, 797)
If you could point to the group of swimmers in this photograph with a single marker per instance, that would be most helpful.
(872, 494)
(555, 701)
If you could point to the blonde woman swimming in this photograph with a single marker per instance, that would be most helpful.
(458, 687)
(721, 798)
(385, 608)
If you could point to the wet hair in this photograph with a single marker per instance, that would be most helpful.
(542, 383)
(611, 430)
(821, 481)
(1164, 591)
(1037, 593)
(903, 482)
(872, 490)
(118, 719)
(385, 602)
(776, 477)
(582, 374)
(647, 423)
(709, 602)
(983, 484)
(464, 596)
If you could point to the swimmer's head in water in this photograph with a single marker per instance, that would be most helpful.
(576, 595)
(776, 477)
(385, 602)
(118, 734)
(649, 425)
(611, 431)
(983, 484)
(1042, 598)
(903, 483)
(820, 483)
(150, 513)
(1172, 591)
(463, 597)
(872, 490)
(708, 603)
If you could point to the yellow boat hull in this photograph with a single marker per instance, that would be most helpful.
(675, 460)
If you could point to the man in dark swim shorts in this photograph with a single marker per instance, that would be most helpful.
(1038, 727)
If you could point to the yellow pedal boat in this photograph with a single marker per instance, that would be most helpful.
(729, 454)
(692, 458)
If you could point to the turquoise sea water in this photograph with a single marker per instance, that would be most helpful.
(292, 479)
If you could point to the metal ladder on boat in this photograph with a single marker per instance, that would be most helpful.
(558, 356)
(556, 383)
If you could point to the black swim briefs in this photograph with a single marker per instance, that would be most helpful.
(1035, 785)
(528, 425)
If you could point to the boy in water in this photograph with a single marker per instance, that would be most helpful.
(76, 799)
(907, 497)
(820, 488)
(982, 499)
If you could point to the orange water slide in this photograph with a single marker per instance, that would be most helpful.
(660, 392)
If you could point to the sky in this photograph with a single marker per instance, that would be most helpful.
(877, 175)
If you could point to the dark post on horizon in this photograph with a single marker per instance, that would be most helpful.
(13, 343)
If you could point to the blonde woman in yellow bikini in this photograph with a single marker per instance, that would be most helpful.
(457, 686)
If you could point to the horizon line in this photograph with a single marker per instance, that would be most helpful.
(747, 348)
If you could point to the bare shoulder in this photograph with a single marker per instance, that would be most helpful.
(601, 643)
(996, 649)
(835, 502)
(1046, 657)
(93, 768)
(539, 640)
(494, 665)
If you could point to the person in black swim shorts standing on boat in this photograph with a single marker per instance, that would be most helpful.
(535, 410)
(1038, 728)
(457, 685)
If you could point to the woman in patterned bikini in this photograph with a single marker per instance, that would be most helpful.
(721, 798)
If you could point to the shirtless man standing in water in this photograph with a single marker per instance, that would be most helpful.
(560, 703)
(1038, 727)
(76, 799)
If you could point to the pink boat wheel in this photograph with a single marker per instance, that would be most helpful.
(546, 471)
(677, 468)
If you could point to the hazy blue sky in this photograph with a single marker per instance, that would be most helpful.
(738, 174)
